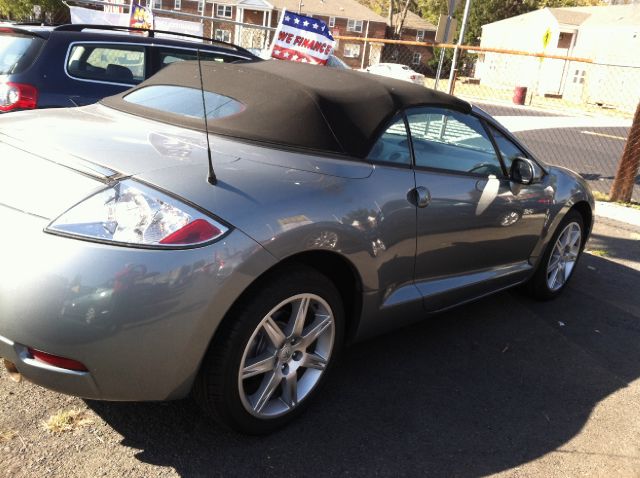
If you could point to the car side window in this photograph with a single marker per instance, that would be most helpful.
(171, 55)
(107, 63)
(508, 149)
(453, 141)
(393, 145)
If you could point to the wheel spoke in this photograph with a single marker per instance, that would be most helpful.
(269, 385)
(274, 332)
(316, 329)
(290, 390)
(314, 360)
(298, 316)
(553, 264)
(574, 242)
(259, 365)
(554, 277)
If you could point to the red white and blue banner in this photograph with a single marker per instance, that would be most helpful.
(302, 39)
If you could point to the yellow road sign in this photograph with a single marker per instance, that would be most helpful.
(546, 38)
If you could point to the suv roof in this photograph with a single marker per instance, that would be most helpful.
(44, 31)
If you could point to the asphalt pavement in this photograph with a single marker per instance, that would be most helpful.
(504, 386)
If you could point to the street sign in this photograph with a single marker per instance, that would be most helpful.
(442, 26)
(546, 38)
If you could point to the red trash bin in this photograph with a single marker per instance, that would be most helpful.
(519, 95)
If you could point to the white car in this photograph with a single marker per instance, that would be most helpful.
(398, 71)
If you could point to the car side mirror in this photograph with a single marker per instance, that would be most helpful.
(524, 171)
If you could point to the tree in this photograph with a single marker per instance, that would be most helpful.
(21, 10)
(622, 188)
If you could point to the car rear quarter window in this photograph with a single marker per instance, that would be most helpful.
(124, 64)
(450, 140)
(17, 51)
(184, 101)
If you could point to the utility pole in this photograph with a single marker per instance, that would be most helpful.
(454, 61)
(622, 187)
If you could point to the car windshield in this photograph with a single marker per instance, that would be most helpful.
(17, 52)
(184, 101)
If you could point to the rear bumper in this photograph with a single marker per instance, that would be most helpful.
(139, 320)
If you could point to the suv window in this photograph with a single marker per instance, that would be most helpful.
(109, 63)
(184, 101)
(449, 140)
(392, 146)
(17, 52)
(171, 55)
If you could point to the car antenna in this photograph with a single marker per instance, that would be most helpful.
(211, 178)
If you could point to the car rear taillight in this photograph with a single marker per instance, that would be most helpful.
(413, 77)
(134, 214)
(17, 96)
(56, 361)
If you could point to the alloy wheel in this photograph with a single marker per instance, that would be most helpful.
(286, 355)
(564, 256)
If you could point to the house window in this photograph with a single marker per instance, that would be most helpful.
(416, 59)
(157, 4)
(354, 26)
(223, 11)
(177, 4)
(332, 22)
(420, 35)
(200, 6)
(223, 35)
(351, 50)
(578, 76)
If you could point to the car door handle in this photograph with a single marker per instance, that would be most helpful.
(422, 196)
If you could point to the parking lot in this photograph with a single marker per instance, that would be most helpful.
(502, 386)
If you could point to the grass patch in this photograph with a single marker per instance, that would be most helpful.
(598, 252)
(67, 420)
(7, 435)
(598, 196)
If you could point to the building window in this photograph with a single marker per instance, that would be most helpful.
(420, 35)
(332, 22)
(200, 6)
(416, 59)
(351, 50)
(354, 26)
(177, 4)
(223, 35)
(157, 4)
(223, 11)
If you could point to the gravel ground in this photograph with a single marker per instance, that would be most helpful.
(503, 386)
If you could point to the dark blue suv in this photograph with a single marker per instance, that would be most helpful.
(75, 65)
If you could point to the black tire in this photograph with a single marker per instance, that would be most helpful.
(217, 387)
(538, 286)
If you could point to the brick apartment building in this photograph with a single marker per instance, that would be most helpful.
(415, 29)
(344, 17)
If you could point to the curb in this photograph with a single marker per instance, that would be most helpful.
(618, 212)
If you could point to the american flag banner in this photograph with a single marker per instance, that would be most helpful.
(303, 39)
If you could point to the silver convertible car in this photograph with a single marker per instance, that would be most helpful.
(334, 205)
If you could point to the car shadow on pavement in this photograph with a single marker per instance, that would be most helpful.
(477, 390)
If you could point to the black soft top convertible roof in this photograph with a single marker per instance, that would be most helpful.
(293, 104)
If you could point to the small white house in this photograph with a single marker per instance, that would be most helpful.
(609, 36)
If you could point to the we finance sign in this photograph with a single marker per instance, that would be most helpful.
(302, 39)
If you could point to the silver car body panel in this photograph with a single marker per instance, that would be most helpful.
(133, 316)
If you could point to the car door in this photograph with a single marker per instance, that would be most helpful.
(475, 227)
